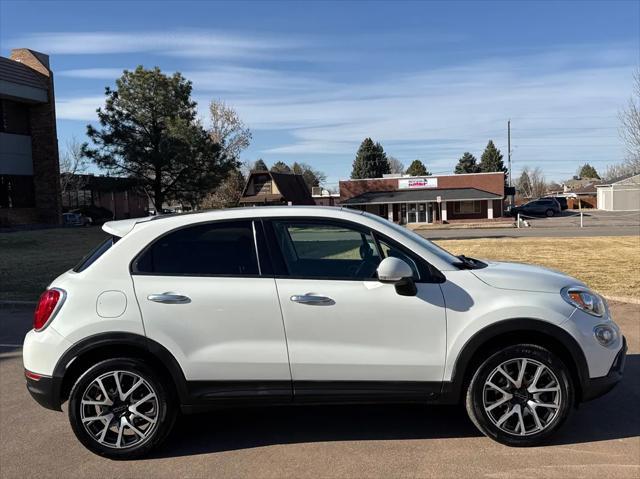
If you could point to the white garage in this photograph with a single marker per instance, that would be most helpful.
(620, 194)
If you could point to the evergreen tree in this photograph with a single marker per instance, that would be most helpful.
(312, 177)
(588, 172)
(260, 165)
(371, 161)
(148, 130)
(491, 159)
(467, 164)
(417, 168)
(281, 167)
(523, 184)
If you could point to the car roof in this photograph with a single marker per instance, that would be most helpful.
(122, 227)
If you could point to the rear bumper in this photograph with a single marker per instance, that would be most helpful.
(596, 387)
(45, 390)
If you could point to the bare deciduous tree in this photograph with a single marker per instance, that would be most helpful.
(72, 164)
(630, 134)
(396, 166)
(531, 183)
(228, 194)
(228, 129)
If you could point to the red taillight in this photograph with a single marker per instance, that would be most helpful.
(46, 306)
(32, 376)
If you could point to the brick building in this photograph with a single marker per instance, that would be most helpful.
(428, 199)
(121, 196)
(29, 169)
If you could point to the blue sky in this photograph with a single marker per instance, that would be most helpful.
(429, 80)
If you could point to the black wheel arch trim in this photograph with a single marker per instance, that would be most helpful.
(100, 340)
(460, 374)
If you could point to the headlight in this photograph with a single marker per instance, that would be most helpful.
(584, 299)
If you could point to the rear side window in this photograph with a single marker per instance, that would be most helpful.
(213, 249)
(101, 249)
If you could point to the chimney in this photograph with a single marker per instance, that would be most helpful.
(35, 60)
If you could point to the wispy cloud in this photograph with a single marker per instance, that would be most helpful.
(184, 43)
(92, 73)
(563, 105)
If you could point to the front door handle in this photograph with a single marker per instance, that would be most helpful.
(169, 298)
(312, 299)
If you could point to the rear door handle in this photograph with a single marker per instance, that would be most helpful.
(169, 298)
(312, 299)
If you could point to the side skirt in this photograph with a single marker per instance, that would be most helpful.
(206, 395)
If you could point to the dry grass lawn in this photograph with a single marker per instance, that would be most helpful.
(610, 265)
(29, 260)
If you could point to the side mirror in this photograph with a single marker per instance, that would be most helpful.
(397, 272)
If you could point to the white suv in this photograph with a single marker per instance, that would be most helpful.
(284, 305)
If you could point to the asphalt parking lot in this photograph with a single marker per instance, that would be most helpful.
(594, 223)
(601, 439)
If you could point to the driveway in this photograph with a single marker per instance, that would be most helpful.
(601, 439)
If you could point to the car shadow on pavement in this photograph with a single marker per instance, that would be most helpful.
(614, 416)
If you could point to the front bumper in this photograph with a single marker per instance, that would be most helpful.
(596, 387)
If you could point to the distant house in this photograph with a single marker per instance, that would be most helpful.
(271, 188)
(121, 196)
(322, 197)
(620, 194)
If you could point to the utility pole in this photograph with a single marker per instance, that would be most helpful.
(509, 148)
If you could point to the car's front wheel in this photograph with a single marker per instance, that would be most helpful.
(120, 408)
(520, 395)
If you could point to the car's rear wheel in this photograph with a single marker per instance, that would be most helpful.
(121, 409)
(520, 395)
(550, 213)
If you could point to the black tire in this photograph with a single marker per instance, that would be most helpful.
(550, 213)
(475, 398)
(163, 409)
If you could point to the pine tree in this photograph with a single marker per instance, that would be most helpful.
(149, 131)
(587, 171)
(312, 177)
(467, 164)
(491, 159)
(417, 168)
(281, 167)
(260, 165)
(523, 184)
(371, 161)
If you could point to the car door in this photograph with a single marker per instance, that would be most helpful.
(350, 336)
(206, 297)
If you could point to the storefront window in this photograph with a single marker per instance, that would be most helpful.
(403, 213)
(422, 213)
(412, 212)
(466, 207)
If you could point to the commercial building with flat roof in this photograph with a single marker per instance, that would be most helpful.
(29, 168)
(428, 199)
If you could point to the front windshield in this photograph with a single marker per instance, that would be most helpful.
(441, 253)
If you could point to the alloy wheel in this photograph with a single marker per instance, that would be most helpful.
(522, 396)
(119, 409)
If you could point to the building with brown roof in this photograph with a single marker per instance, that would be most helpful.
(271, 188)
(428, 199)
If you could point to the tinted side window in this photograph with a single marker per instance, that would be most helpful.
(226, 249)
(315, 250)
(89, 259)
